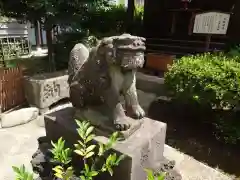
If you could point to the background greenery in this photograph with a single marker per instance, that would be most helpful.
(100, 22)
(212, 81)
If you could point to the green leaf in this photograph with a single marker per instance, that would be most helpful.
(90, 154)
(93, 173)
(30, 177)
(161, 177)
(114, 136)
(81, 143)
(120, 158)
(90, 148)
(82, 178)
(58, 175)
(53, 144)
(64, 156)
(16, 169)
(61, 143)
(79, 152)
(86, 125)
(79, 123)
(109, 159)
(58, 169)
(90, 137)
(114, 157)
(150, 175)
(22, 169)
(86, 168)
(110, 171)
(25, 176)
(101, 149)
(104, 169)
(81, 133)
(78, 146)
(89, 131)
(70, 168)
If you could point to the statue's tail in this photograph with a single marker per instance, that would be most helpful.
(78, 56)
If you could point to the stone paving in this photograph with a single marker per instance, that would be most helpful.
(17, 145)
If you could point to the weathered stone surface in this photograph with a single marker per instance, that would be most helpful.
(43, 90)
(101, 75)
(19, 117)
(144, 148)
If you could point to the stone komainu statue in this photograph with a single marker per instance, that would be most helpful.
(102, 74)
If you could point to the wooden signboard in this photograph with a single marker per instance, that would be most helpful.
(211, 23)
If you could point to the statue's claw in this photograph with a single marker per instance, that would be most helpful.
(138, 112)
(122, 124)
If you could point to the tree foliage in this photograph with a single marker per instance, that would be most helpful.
(50, 12)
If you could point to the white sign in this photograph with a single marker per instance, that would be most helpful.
(13, 29)
(211, 23)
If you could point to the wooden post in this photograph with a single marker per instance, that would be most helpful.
(130, 15)
(41, 35)
(37, 34)
(50, 49)
(191, 24)
(173, 23)
(208, 41)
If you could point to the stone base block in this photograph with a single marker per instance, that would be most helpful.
(43, 90)
(144, 148)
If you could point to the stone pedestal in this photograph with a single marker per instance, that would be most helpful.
(144, 148)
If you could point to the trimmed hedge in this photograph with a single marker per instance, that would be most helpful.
(207, 79)
(213, 80)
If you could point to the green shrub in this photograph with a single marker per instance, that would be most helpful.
(207, 79)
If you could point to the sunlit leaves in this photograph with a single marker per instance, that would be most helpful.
(208, 79)
(22, 174)
(60, 153)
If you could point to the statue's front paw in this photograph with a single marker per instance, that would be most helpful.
(138, 112)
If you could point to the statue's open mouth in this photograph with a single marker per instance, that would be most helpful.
(131, 59)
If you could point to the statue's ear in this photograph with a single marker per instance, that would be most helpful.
(105, 47)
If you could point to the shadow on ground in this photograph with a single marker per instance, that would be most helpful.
(186, 133)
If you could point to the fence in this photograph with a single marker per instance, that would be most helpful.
(11, 88)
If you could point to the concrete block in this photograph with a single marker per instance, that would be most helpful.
(45, 89)
(19, 117)
(152, 84)
(144, 148)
